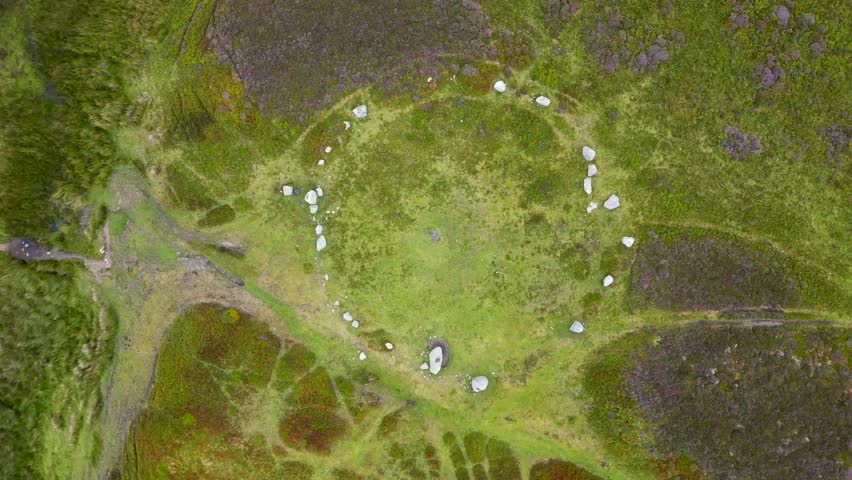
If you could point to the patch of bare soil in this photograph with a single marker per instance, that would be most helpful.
(296, 57)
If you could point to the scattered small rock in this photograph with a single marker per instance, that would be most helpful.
(346, 125)
(355, 324)
(591, 170)
(627, 241)
(347, 316)
(327, 149)
(577, 327)
(389, 346)
(287, 190)
(479, 383)
(321, 243)
(362, 356)
(436, 237)
(314, 209)
(360, 111)
(424, 366)
(500, 86)
(589, 153)
(542, 101)
(612, 202)
(318, 229)
(607, 281)
(319, 192)
(587, 185)
(592, 206)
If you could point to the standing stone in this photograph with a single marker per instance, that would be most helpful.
(587, 185)
(591, 170)
(542, 101)
(436, 358)
(321, 243)
(612, 202)
(627, 241)
(287, 190)
(500, 86)
(577, 327)
(360, 111)
(607, 281)
(479, 383)
(589, 153)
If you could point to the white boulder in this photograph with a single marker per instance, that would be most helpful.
(436, 358)
(362, 356)
(589, 153)
(542, 101)
(347, 316)
(389, 346)
(311, 197)
(318, 229)
(479, 383)
(612, 202)
(360, 111)
(321, 243)
(607, 281)
(628, 241)
(577, 327)
(500, 86)
(287, 190)
(592, 170)
(587, 185)
(592, 206)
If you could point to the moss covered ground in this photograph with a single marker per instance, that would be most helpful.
(451, 211)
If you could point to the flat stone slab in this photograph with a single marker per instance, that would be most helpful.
(360, 111)
(612, 202)
(479, 383)
(436, 358)
(591, 170)
(311, 197)
(542, 101)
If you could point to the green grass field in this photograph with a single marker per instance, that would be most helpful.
(451, 211)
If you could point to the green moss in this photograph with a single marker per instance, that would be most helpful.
(218, 216)
(293, 364)
(474, 444)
